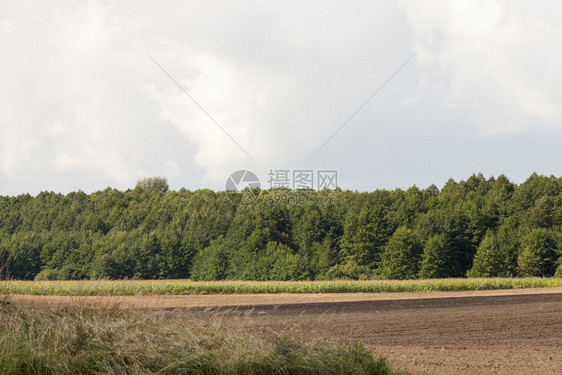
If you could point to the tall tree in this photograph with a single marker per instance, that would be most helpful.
(435, 258)
(539, 254)
(402, 255)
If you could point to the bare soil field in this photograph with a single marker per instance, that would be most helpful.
(487, 332)
(519, 334)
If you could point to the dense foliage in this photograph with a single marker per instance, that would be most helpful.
(153, 184)
(478, 227)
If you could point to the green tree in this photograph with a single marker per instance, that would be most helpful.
(489, 260)
(106, 267)
(349, 268)
(491, 227)
(435, 258)
(211, 263)
(497, 254)
(364, 236)
(278, 262)
(401, 256)
(155, 183)
(539, 254)
(325, 256)
(541, 215)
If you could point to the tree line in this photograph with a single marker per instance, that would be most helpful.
(476, 227)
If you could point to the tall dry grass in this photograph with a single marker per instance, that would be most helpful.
(81, 340)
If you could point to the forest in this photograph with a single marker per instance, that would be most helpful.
(478, 227)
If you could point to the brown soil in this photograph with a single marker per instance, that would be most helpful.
(519, 334)
(492, 332)
(184, 301)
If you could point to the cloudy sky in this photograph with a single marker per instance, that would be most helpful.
(83, 105)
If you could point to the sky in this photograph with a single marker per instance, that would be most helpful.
(90, 92)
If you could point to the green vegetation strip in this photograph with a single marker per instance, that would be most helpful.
(123, 341)
(184, 287)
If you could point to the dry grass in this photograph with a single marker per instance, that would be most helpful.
(185, 287)
(79, 340)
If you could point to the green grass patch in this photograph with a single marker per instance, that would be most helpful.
(185, 287)
(75, 340)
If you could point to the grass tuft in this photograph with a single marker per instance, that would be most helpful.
(77, 340)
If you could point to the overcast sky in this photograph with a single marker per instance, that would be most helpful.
(83, 106)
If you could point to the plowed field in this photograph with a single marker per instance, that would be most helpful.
(490, 332)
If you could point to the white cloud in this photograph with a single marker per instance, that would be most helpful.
(70, 99)
(83, 107)
(500, 59)
(232, 98)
